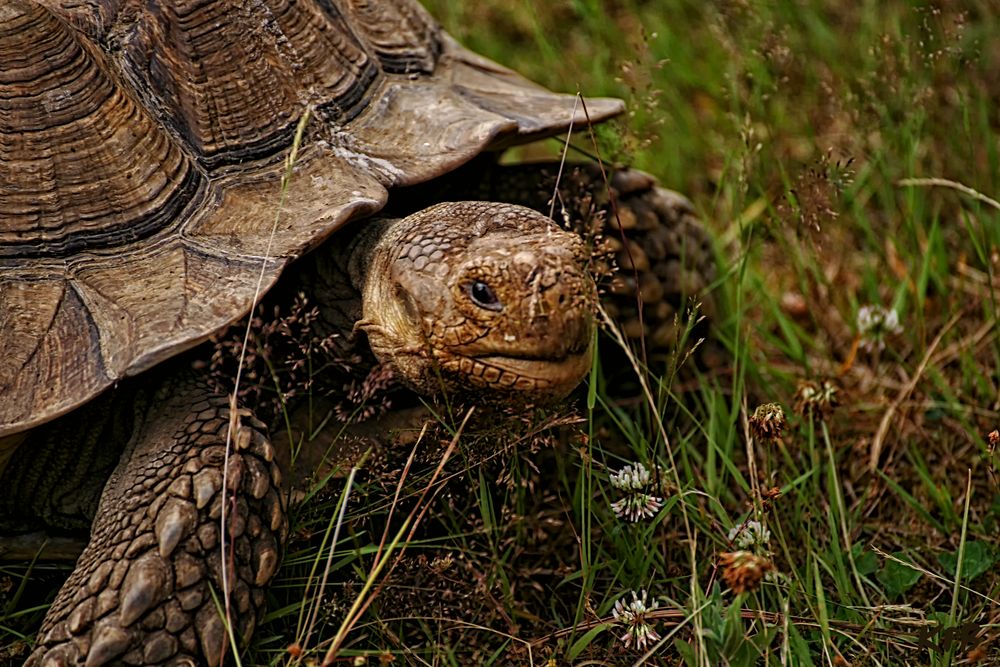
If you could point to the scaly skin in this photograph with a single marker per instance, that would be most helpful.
(141, 592)
(489, 298)
(531, 336)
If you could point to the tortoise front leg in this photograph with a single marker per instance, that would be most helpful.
(149, 586)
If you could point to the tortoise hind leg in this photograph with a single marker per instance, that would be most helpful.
(142, 591)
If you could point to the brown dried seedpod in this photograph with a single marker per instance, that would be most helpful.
(743, 571)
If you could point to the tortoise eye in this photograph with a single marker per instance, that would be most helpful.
(483, 296)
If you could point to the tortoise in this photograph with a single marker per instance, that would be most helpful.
(147, 199)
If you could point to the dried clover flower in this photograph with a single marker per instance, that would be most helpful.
(743, 570)
(767, 422)
(815, 399)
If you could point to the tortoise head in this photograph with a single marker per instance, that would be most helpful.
(483, 296)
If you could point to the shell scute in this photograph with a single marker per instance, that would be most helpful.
(142, 149)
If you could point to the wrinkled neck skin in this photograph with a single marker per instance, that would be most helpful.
(466, 296)
(333, 277)
(55, 477)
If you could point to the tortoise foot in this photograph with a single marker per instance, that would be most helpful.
(149, 587)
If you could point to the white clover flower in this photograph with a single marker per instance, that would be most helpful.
(875, 323)
(752, 535)
(631, 477)
(636, 506)
(635, 481)
(639, 631)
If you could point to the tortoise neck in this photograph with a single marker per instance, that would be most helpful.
(333, 278)
(361, 251)
(8, 445)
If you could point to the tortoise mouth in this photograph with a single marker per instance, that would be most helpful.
(533, 376)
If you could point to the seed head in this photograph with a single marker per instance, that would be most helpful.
(767, 422)
(743, 570)
(770, 494)
(815, 399)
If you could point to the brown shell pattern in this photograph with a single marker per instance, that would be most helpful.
(142, 144)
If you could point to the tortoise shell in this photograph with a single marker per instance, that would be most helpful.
(142, 148)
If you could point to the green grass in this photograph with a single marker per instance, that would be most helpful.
(791, 125)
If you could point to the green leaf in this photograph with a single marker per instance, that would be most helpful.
(898, 577)
(584, 641)
(686, 652)
(979, 558)
(595, 366)
(732, 630)
(866, 562)
(799, 647)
